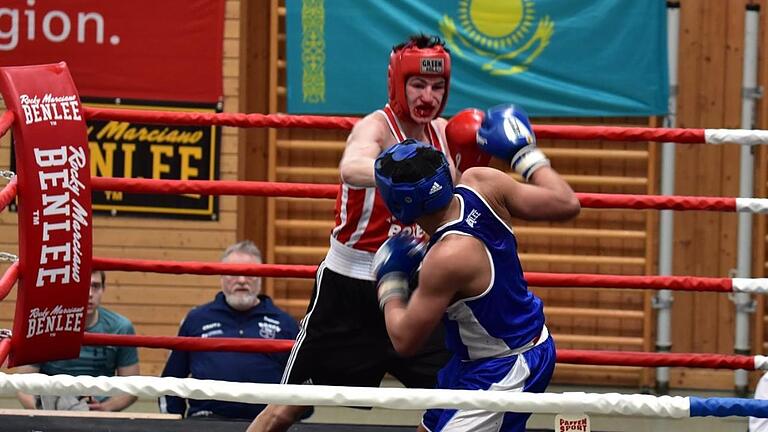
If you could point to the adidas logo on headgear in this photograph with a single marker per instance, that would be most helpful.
(435, 188)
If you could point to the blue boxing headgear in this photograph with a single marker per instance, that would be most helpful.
(414, 179)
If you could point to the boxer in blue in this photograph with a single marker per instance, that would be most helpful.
(470, 275)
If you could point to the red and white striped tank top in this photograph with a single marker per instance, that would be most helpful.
(363, 221)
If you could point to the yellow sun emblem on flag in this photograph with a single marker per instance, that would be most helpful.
(505, 33)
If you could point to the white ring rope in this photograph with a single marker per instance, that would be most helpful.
(735, 136)
(397, 398)
(750, 285)
(761, 362)
(752, 205)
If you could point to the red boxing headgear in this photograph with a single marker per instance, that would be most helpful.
(412, 60)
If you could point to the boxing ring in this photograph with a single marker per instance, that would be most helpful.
(675, 407)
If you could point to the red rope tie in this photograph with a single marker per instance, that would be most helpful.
(8, 279)
(6, 120)
(608, 358)
(680, 283)
(7, 194)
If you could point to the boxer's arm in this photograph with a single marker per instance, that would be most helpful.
(440, 279)
(364, 144)
(546, 197)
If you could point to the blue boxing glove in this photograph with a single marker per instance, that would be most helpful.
(507, 134)
(395, 262)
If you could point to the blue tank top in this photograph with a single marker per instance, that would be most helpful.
(506, 316)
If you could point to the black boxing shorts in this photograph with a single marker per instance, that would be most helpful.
(343, 340)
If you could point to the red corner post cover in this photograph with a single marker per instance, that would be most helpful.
(54, 191)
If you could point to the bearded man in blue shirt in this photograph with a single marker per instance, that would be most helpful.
(238, 311)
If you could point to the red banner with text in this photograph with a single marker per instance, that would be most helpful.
(54, 196)
(138, 49)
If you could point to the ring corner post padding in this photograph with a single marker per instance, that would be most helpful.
(54, 194)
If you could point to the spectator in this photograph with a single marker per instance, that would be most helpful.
(93, 360)
(239, 310)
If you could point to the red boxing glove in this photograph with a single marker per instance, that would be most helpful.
(461, 134)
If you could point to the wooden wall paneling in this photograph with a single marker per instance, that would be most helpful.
(563, 324)
(583, 330)
(225, 222)
(689, 61)
(586, 298)
(708, 41)
(708, 176)
(609, 298)
(759, 221)
(730, 117)
(761, 177)
(589, 375)
(276, 71)
(160, 237)
(256, 35)
(651, 254)
(759, 239)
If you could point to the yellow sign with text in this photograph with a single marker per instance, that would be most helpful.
(139, 150)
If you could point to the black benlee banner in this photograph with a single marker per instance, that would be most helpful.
(154, 151)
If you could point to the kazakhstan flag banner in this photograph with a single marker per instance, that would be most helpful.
(575, 58)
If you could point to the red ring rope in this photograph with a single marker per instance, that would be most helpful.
(188, 343)
(572, 132)
(620, 133)
(307, 190)
(638, 358)
(5, 349)
(7, 194)
(604, 358)
(204, 268)
(680, 283)
(6, 120)
(9, 278)
(220, 119)
(214, 187)
(657, 202)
